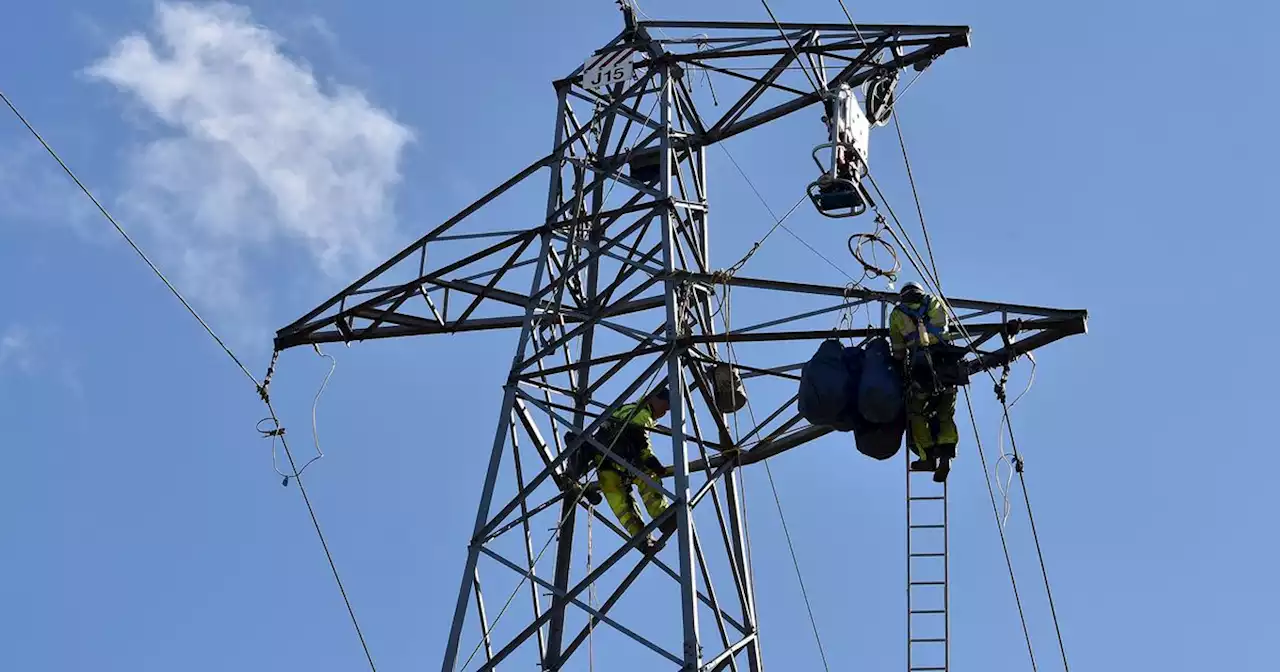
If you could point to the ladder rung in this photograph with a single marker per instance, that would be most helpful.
(926, 527)
(922, 499)
(927, 583)
(927, 555)
(937, 640)
(927, 669)
(929, 611)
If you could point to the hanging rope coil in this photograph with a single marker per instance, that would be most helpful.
(872, 268)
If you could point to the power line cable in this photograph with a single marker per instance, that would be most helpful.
(852, 23)
(1000, 528)
(261, 387)
(297, 476)
(790, 46)
(126, 236)
(1036, 537)
(916, 194)
(1007, 419)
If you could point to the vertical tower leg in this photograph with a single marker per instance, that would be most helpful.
(505, 414)
(679, 450)
(490, 479)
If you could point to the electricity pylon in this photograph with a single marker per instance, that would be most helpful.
(611, 295)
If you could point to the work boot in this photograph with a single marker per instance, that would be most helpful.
(650, 546)
(944, 468)
(592, 493)
(668, 526)
(571, 466)
(924, 464)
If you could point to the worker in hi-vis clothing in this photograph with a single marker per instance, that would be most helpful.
(919, 321)
(626, 434)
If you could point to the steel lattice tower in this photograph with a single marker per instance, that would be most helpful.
(612, 294)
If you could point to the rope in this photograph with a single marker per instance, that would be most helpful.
(737, 266)
(1015, 461)
(799, 576)
(316, 402)
(315, 434)
(278, 432)
(550, 538)
(591, 594)
(649, 386)
(726, 310)
(778, 222)
(871, 268)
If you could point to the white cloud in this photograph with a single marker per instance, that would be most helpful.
(35, 191)
(254, 154)
(35, 353)
(15, 349)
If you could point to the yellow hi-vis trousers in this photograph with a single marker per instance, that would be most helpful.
(615, 484)
(923, 410)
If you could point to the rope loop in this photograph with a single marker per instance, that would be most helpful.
(871, 268)
(270, 433)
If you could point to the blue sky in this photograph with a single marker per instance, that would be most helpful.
(1108, 156)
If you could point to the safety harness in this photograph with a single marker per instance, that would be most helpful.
(935, 367)
(624, 437)
(921, 317)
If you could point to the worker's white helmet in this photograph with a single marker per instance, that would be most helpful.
(911, 288)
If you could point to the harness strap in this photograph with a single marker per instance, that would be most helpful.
(921, 315)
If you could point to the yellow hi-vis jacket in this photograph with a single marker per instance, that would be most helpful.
(630, 424)
(933, 324)
(643, 416)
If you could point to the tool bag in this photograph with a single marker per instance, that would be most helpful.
(939, 367)
(825, 387)
(730, 395)
(880, 441)
(880, 393)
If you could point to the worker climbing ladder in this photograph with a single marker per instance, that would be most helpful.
(928, 621)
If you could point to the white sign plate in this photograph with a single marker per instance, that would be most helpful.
(604, 70)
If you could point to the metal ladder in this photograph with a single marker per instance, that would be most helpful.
(928, 621)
